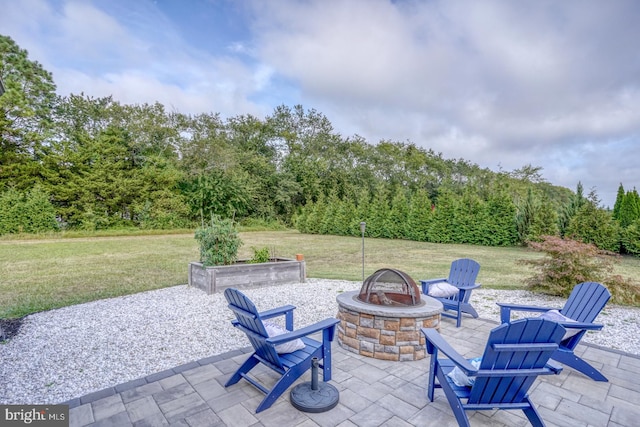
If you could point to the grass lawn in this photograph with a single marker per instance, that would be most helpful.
(42, 274)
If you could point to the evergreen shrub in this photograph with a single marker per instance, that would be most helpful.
(631, 238)
(30, 212)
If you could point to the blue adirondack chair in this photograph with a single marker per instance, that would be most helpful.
(290, 365)
(462, 275)
(583, 306)
(514, 356)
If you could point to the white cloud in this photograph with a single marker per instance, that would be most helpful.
(498, 83)
(138, 57)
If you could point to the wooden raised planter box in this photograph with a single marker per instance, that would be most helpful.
(242, 274)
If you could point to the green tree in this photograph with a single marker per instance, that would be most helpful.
(94, 136)
(219, 193)
(570, 209)
(316, 215)
(535, 217)
(419, 216)
(592, 224)
(377, 217)
(307, 142)
(499, 228)
(329, 221)
(11, 212)
(629, 208)
(396, 222)
(26, 212)
(24, 115)
(618, 203)
(631, 238)
(113, 183)
(441, 229)
(469, 218)
(274, 192)
(545, 221)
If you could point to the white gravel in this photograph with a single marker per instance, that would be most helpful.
(62, 354)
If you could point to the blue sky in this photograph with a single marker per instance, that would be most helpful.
(502, 84)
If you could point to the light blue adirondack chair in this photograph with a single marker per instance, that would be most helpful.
(585, 302)
(290, 366)
(463, 274)
(514, 356)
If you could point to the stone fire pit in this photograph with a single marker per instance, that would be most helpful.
(386, 332)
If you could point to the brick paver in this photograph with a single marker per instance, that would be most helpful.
(372, 393)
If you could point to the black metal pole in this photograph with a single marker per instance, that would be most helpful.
(314, 374)
(1, 87)
(363, 226)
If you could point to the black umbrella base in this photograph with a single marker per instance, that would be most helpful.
(305, 399)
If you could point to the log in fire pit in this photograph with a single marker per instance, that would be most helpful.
(384, 318)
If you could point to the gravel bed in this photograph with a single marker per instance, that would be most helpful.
(62, 354)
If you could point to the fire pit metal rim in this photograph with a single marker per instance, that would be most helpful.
(428, 307)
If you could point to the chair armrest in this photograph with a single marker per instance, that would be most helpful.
(435, 341)
(471, 287)
(285, 310)
(555, 367)
(279, 311)
(505, 310)
(303, 332)
(518, 307)
(580, 325)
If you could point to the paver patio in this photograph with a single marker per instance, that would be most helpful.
(372, 393)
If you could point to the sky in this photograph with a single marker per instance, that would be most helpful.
(502, 84)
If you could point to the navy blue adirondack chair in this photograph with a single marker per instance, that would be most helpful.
(514, 356)
(462, 275)
(289, 365)
(585, 302)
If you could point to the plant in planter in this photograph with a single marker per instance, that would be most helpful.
(219, 267)
(260, 255)
(219, 242)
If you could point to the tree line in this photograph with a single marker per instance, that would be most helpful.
(78, 162)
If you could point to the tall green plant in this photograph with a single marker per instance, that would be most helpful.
(499, 228)
(629, 208)
(396, 223)
(376, 219)
(419, 216)
(219, 242)
(443, 224)
(618, 204)
(569, 210)
(591, 224)
(29, 212)
(260, 255)
(24, 116)
(631, 238)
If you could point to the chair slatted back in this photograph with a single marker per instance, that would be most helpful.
(586, 301)
(515, 355)
(463, 273)
(249, 321)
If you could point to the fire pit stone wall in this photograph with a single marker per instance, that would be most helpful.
(385, 332)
